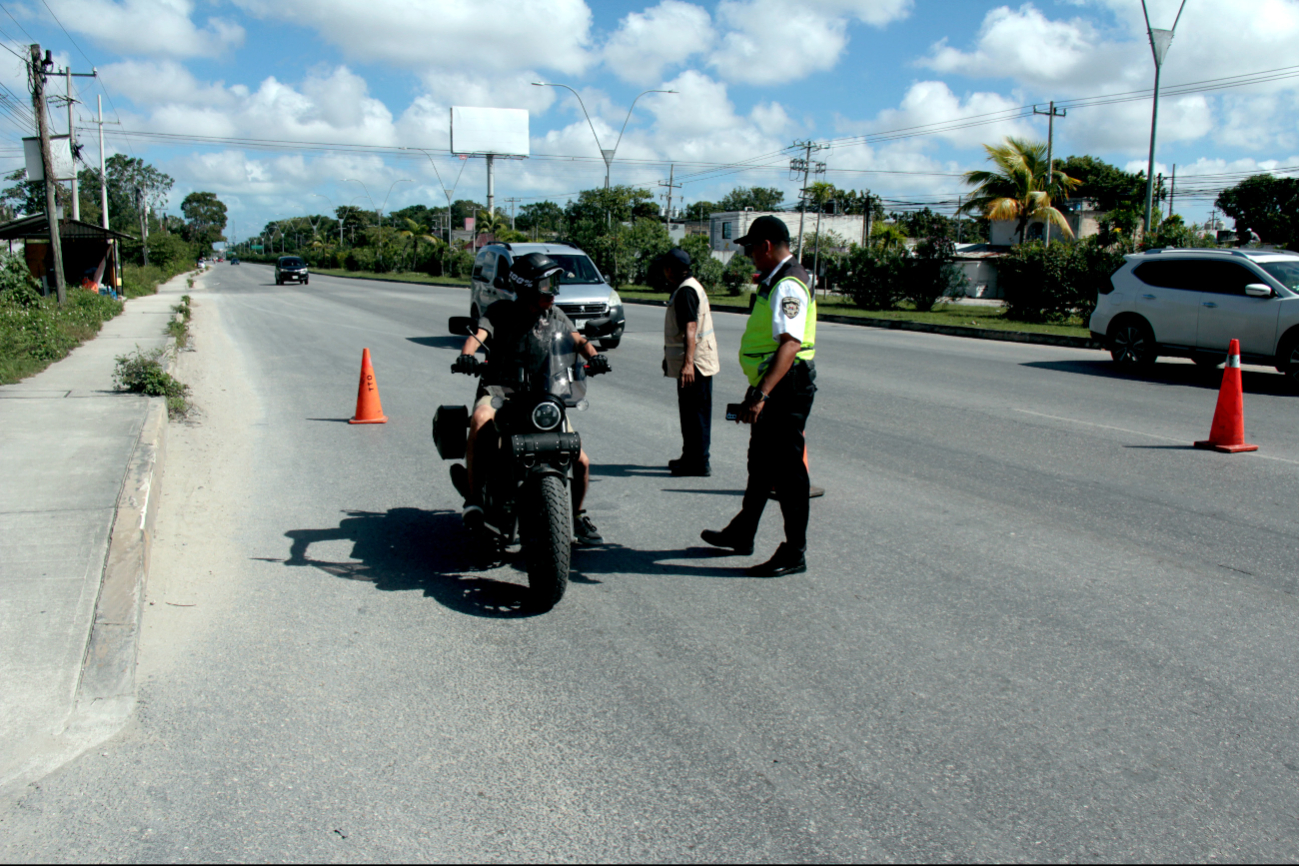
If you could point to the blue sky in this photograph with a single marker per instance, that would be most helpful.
(753, 75)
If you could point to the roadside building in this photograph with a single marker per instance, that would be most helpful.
(726, 226)
(90, 252)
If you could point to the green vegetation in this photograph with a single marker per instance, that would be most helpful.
(138, 280)
(1268, 205)
(142, 373)
(35, 331)
(178, 327)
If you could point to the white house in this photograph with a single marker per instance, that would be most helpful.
(1081, 214)
(725, 227)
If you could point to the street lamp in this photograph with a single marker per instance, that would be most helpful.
(448, 191)
(1159, 42)
(340, 222)
(606, 154)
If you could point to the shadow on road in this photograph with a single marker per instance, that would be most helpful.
(443, 342)
(1252, 381)
(412, 549)
(628, 470)
(616, 559)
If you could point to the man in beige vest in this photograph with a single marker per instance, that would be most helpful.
(690, 357)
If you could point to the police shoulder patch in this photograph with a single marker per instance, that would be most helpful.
(791, 307)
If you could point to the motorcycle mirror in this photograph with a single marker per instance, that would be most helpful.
(462, 326)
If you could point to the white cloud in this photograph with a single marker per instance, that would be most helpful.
(933, 102)
(447, 34)
(768, 41)
(148, 27)
(664, 35)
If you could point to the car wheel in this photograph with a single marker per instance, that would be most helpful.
(1288, 362)
(1132, 344)
(305, 282)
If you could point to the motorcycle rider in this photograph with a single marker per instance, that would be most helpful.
(519, 333)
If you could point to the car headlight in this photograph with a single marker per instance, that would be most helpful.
(546, 416)
(614, 299)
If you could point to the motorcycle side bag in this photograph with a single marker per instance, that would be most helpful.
(556, 449)
(451, 431)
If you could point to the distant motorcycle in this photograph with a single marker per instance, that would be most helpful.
(524, 460)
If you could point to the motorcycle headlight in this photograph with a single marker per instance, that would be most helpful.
(546, 416)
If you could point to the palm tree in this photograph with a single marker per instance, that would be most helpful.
(1018, 188)
(491, 222)
(416, 232)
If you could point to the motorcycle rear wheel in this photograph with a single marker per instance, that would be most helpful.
(548, 541)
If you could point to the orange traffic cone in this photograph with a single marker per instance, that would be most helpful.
(1228, 431)
(368, 408)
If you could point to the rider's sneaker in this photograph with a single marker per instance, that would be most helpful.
(584, 530)
(460, 479)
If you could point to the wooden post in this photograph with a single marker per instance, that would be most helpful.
(47, 162)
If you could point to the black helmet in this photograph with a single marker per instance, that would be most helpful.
(534, 272)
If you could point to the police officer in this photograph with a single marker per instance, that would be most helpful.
(690, 357)
(776, 355)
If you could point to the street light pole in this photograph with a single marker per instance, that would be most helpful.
(1159, 42)
(606, 154)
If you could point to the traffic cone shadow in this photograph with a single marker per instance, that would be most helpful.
(368, 408)
(1228, 431)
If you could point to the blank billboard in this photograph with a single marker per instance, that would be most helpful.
(502, 131)
(60, 152)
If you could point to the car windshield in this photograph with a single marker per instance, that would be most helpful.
(292, 263)
(1287, 273)
(577, 269)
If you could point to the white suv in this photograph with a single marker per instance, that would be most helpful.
(1192, 303)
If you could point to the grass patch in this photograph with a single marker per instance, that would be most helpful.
(139, 280)
(142, 373)
(35, 331)
(960, 315)
(395, 276)
(178, 327)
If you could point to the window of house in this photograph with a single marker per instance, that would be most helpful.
(726, 231)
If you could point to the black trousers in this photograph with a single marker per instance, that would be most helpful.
(776, 458)
(695, 405)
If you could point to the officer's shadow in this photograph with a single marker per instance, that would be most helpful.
(616, 559)
(407, 549)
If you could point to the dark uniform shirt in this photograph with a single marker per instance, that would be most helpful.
(520, 339)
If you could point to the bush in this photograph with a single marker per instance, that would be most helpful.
(1050, 284)
(738, 274)
(35, 330)
(875, 277)
(142, 373)
(930, 274)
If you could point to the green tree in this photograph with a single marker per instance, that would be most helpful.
(463, 209)
(1018, 188)
(134, 188)
(1109, 186)
(756, 197)
(700, 211)
(1269, 205)
(416, 232)
(540, 216)
(207, 218)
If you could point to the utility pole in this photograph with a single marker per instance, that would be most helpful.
(1172, 190)
(491, 186)
(37, 73)
(1051, 114)
(805, 165)
(72, 134)
(1159, 42)
(672, 168)
(513, 202)
(866, 225)
(958, 218)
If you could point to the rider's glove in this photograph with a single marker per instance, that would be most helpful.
(597, 365)
(466, 364)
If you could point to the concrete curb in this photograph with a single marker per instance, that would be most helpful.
(108, 671)
(924, 327)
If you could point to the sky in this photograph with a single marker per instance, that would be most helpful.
(292, 107)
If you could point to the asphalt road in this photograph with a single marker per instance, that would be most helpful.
(1037, 625)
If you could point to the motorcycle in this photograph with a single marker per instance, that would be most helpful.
(524, 459)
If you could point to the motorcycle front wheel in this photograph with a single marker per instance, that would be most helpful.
(548, 540)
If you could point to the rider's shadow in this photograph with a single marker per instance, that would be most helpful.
(412, 549)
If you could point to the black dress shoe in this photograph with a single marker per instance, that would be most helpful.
(786, 561)
(460, 479)
(681, 470)
(722, 539)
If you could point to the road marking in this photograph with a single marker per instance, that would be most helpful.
(1140, 433)
(1102, 426)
